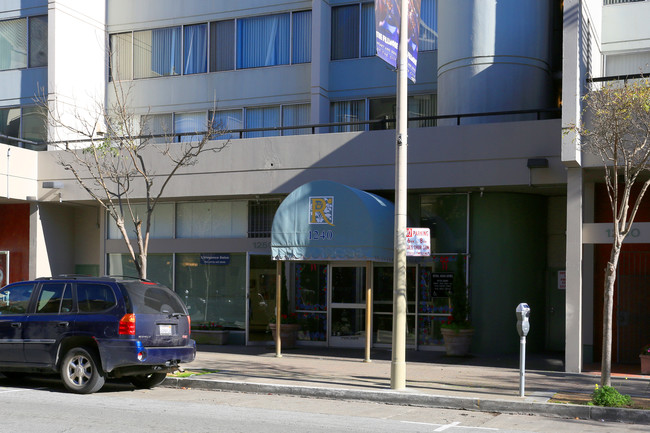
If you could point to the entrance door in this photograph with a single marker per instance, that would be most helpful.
(348, 306)
(261, 300)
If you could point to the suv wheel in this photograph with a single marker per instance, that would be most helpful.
(80, 372)
(148, 380)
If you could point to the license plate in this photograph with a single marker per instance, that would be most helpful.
(165, 329)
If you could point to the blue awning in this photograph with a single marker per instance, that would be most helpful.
(324, 220)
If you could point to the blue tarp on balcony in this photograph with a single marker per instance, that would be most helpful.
(324, 220)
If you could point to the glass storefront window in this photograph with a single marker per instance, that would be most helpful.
(214, 290)
(383, 304)
(262, 288)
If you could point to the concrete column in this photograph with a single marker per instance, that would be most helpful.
(320, 49)
(573, 344)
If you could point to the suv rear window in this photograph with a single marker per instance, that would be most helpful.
(153, 299)
(94, 297)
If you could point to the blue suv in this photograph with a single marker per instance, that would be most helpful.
(90, 329)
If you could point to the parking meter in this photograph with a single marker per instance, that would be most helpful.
(523, 314)
(523, 326)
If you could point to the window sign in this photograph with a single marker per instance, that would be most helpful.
(215, 259)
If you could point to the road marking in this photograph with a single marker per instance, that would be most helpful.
(453, 424)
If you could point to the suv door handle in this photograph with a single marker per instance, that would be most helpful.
(16, 324)
(63, 324)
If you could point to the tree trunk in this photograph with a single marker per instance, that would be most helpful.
(608, 315)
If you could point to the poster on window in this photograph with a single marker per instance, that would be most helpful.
(387, 28)
(4, 268)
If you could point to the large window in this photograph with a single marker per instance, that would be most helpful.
(627, 63)
(348, 111)
(251, 42)
(23, 43)
(162, 222)
(211, 220)
(353, 29)
(446, 215)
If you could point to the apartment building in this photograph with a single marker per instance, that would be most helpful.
(306, 102)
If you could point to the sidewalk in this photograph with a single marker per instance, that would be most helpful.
(433, 379)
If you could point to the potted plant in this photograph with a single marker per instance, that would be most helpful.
(209, 333)
(645, 359)
(457, 331)
(288, 329)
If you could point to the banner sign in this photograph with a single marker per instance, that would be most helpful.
(418, 242)
(215, 259)
(387, 29)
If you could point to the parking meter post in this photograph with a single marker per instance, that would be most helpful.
(523, 326)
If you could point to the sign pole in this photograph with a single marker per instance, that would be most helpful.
(398, 362)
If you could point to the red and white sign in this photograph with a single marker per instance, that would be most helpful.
(418, 242)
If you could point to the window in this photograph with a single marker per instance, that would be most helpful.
(23, 43)
(418, 106)
(24, 122)
(195, 49)
(260, 218)
(190, 123)
(15, 299)
(159, 267)
(121, 62)
(353, 29)
(93, 297)
(162, 222)
(301, 37)
(262, 117)
(157, 52)
(161, 126)
(263, 41)
(627, 63)
(224, 121)
(211, 220)
(222, 45)
(296, 115)
(348, 111)
(446, 216)
(54, 298)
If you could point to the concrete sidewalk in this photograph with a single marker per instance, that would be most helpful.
(433, 379)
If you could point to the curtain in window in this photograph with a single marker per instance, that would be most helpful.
(157, 52)
(264, 117)
(38, 41)
(157, 124)
(263, 41)
(345, 32)
(10, 123)
(428, 39)
(121, 62)
(368, 36)
(225, 121)
(195, 49)
(13, 44)
(420, 106)
(301, 38)
(222, 45)
(187, 123)
(35, 126)
(348, 111)
(296, 115)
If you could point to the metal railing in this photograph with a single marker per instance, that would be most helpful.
(323, 128)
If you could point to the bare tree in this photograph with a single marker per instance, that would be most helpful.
(618, 132)
(112, 156)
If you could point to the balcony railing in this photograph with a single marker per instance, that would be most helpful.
(323, 128)
(615, 2)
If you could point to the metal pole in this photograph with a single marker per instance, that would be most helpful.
(398, 363)
(278, 306)
(368, 310)
(522, 365)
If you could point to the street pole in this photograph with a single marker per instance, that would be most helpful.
(398, 363)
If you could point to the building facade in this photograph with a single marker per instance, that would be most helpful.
(302, 97)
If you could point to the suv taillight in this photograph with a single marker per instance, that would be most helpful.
(189, 325)
(127, 325)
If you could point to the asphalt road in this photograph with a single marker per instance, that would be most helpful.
(45, 406)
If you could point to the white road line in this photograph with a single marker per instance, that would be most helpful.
(445, 427)
(453, 424)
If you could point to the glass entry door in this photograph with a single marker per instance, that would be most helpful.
(347, 306)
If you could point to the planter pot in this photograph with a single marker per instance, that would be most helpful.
(457, 343)
(288, 334)
(209, 337)
(645, 364)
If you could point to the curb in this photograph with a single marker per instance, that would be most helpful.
(608, 414)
